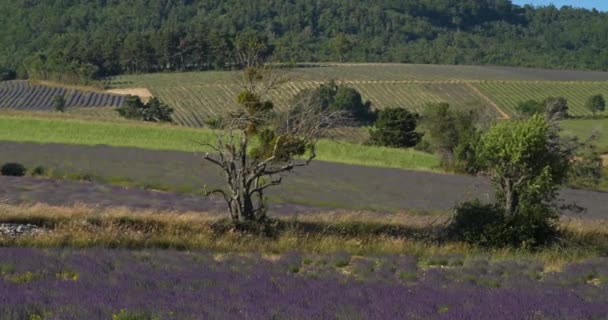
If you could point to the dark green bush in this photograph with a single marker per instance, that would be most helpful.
(13, 169)
(487, 225)
(477, 223)
(153, 111)
(395, 127)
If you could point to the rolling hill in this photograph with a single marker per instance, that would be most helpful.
(197, 96)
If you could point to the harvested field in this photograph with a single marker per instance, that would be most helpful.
(323, 184)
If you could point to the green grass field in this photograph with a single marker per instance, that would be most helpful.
(165, 137)
(583, 128)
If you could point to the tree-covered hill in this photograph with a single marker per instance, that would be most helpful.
(79, 38)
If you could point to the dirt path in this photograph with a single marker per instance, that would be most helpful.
(143, 93)
(503, 115)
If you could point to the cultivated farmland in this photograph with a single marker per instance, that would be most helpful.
(497, 90)
(507, 94)
(22, 95)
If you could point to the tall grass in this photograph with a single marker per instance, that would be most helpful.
(326, 232)
(27, 128)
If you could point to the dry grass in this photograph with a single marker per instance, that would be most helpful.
(357, 233)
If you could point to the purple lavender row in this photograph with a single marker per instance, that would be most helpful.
(21, 95)
(98, 283)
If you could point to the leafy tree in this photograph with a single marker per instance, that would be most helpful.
(527, 162)
(59, 103)
(153, 111)
(453, 135)
(132, 108)
(553, 108)
(157, 111)
(395, 127)
(556, 108)
(334, 97)
(596, 104)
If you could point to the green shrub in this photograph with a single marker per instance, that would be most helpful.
(395, 127)
(38, 171)
(13, 169)
(153, 111)
(59, 103)
(477, 223)
(488, 225)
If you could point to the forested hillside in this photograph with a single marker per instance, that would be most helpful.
(74, 39)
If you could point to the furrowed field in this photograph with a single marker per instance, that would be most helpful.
(110, 218)
(497, 90)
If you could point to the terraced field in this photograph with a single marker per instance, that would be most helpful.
(22, 95)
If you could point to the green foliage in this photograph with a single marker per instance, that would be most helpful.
(7, 74)
(527, 162)
(59, 103)
(596, 104)
(395, 127)
(13, 169)
(156, 111)
(587, 170)
(184, 35)
(331, 96)
(488, 225)
(282, 148)
(552, 108)
(556, 108)
(529, 108)
(453, 135)
(153, 111)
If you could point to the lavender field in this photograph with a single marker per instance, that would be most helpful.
(121, 284)
(25, 96)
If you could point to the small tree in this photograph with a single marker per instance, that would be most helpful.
(334, 97)
(453, 135)
(157, 111)
(59, 103)
(556, 108)
(395, 127)
(553, 108)
(527, 162)
(153, 111)
(596, 104)
(258, 145)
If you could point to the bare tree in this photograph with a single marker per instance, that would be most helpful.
(257, 146)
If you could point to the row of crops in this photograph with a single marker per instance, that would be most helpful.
(366, 72)
(193, 104)
(507, 94)
(25, 96)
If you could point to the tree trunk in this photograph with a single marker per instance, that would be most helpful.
(511, 198)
